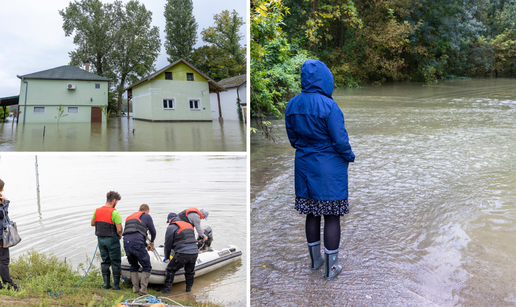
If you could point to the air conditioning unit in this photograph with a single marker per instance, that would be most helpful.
(71, 86)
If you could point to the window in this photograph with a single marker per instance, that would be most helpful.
(169, 104)
(73, 109)
(189, 76)
(195, 104)
(39, 110)
(97, 86)
(168, 76)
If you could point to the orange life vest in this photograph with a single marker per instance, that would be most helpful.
(133, 224)
(104, 226)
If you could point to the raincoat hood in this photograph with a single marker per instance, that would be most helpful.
(316, 77)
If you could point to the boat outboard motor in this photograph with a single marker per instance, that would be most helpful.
(205, 245)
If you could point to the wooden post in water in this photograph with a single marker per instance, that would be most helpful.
(44, 127)
(37, 174)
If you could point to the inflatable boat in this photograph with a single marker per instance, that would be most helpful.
(207, 261)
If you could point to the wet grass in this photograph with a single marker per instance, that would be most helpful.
(37, 274)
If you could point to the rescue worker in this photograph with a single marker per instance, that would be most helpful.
(135, 235)
(108, 229)
(194, 216)
(180, 237)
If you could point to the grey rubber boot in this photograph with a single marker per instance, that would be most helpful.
(315, 256)
(135, 282)
(333, 267)
(144, 283)
(107, 281)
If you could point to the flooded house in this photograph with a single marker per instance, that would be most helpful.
(233, 101)
(178, 92)
(79, 93)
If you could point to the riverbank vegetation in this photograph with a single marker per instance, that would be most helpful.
(38, 274)
(376, 41)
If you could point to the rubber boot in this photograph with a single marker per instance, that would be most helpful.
(333, 267)
(169, 281)
(135, 282)
(116, 282)
(315, 256)
(188, 288)
(144, 283)
(12, 286)
(107, 281)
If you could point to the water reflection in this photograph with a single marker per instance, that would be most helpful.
(432, 201)
(121, 134)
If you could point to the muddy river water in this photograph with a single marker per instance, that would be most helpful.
(432, 202)
(57, 218)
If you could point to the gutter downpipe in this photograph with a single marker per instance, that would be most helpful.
(26, 94)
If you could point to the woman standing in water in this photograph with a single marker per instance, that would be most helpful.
(315, 127)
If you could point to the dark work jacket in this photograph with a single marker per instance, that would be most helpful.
(180, 237)
(133, 235)
(315, 128)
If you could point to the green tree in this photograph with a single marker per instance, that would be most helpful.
(94, 26)
(180, 29)
(275, 67)
(226, 35)
(4, 112)
(216, 63)
(136, 47)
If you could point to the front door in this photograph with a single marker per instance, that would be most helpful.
(96, 115)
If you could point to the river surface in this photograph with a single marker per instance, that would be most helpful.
(121, 134)
(57, 219)
(432, 202)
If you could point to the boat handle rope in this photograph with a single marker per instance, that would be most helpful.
(56, 294)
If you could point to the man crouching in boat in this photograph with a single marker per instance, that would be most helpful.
(180, 237)
(194, 217)
(135, 235)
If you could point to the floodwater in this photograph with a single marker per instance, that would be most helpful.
(432, 202)
(57, 218)
(121, 134)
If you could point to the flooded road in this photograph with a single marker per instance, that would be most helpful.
(432, 202)
(57, 219)
(121, 134)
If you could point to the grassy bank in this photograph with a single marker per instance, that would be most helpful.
(37, 274)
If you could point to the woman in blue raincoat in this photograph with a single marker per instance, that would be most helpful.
(315, 128)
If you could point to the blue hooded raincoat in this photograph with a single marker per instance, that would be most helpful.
(315, 128)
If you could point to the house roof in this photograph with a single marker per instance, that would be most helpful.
(235, 81)
(214, 86)
(9, 101)
(65, 73)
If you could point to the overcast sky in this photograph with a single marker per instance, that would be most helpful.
(32, 38)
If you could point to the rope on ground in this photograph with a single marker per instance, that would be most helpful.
(144, 300)
(56, 294)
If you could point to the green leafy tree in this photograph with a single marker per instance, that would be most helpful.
(116, 38)
(180, 29)
(275, 67)
(226, 35)
(216, 63)
(4, 112)
(94, 28)
(136, 47)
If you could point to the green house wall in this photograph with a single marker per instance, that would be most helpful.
(148, 97)
(53, 93)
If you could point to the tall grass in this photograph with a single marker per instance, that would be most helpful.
(37, 274)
